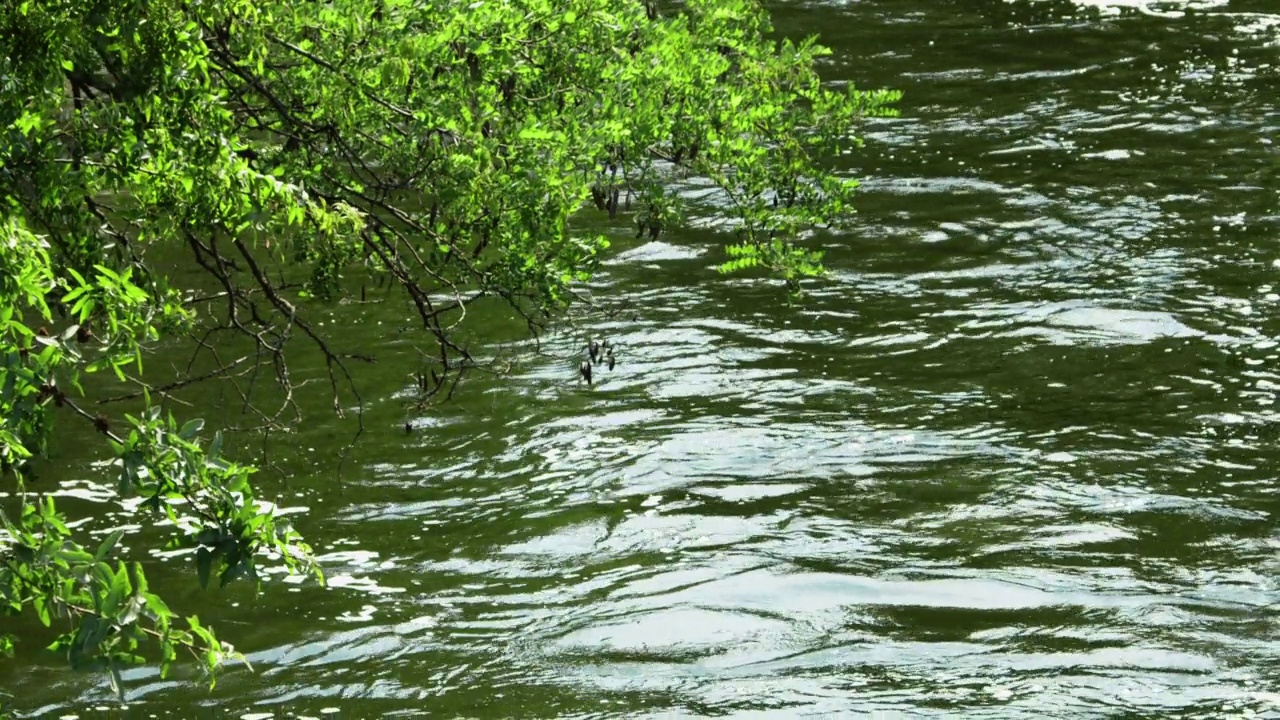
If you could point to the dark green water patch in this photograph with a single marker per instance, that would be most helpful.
(1015, 457)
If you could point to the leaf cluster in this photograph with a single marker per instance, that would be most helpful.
(290, 153)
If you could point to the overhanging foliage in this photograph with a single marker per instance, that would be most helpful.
(289, 146)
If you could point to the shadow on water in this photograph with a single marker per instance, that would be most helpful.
(1014, 457)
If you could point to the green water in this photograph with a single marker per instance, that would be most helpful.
(1016, 457)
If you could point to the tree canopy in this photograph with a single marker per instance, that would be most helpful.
(289, 150)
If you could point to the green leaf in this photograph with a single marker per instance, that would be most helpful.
(158, 607)
(108, 545)
(118, 591)
(191, 429)
(533, 133)
(76, 555)
(41, 606)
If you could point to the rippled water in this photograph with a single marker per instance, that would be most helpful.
(1015, 457)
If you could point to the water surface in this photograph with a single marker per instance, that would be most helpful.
(1015, 457)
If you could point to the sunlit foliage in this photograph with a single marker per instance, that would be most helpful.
(294, 148)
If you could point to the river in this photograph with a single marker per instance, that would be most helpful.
(1015, 457)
